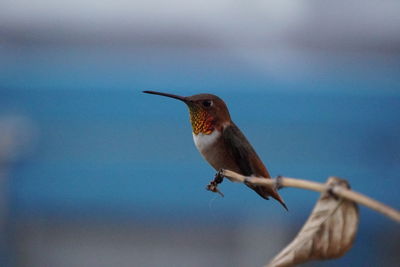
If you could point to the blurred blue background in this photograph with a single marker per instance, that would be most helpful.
(95, 173)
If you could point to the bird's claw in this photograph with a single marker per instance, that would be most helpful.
(213, 185)
(218, 178)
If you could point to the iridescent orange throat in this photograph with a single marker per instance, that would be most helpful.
(202, 121)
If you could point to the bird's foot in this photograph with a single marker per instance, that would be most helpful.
(213, 185)
(218, 178)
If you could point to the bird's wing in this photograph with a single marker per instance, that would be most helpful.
(244, 154)
(247, 160)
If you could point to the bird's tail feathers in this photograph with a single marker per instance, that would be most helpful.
(265, 193)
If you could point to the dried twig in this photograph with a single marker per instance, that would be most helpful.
(313, 186)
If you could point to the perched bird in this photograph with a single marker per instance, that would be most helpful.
(221, 142)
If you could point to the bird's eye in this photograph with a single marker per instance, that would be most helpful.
(207, 103)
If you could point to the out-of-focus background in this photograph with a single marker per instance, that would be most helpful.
(95, 173)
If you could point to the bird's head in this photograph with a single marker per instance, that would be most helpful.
(207, 112)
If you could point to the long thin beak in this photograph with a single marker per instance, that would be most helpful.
(181, 98)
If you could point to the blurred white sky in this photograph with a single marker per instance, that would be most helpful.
(273, 36)
(249, 23)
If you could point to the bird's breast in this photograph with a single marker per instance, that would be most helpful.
(204, 142)
(212, 148)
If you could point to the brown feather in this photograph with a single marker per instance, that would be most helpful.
(247, 161)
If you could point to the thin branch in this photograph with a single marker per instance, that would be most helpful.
(318, 187)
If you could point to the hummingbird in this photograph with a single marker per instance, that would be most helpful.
(221, 142)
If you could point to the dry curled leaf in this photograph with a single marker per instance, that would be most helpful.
(328, 233)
